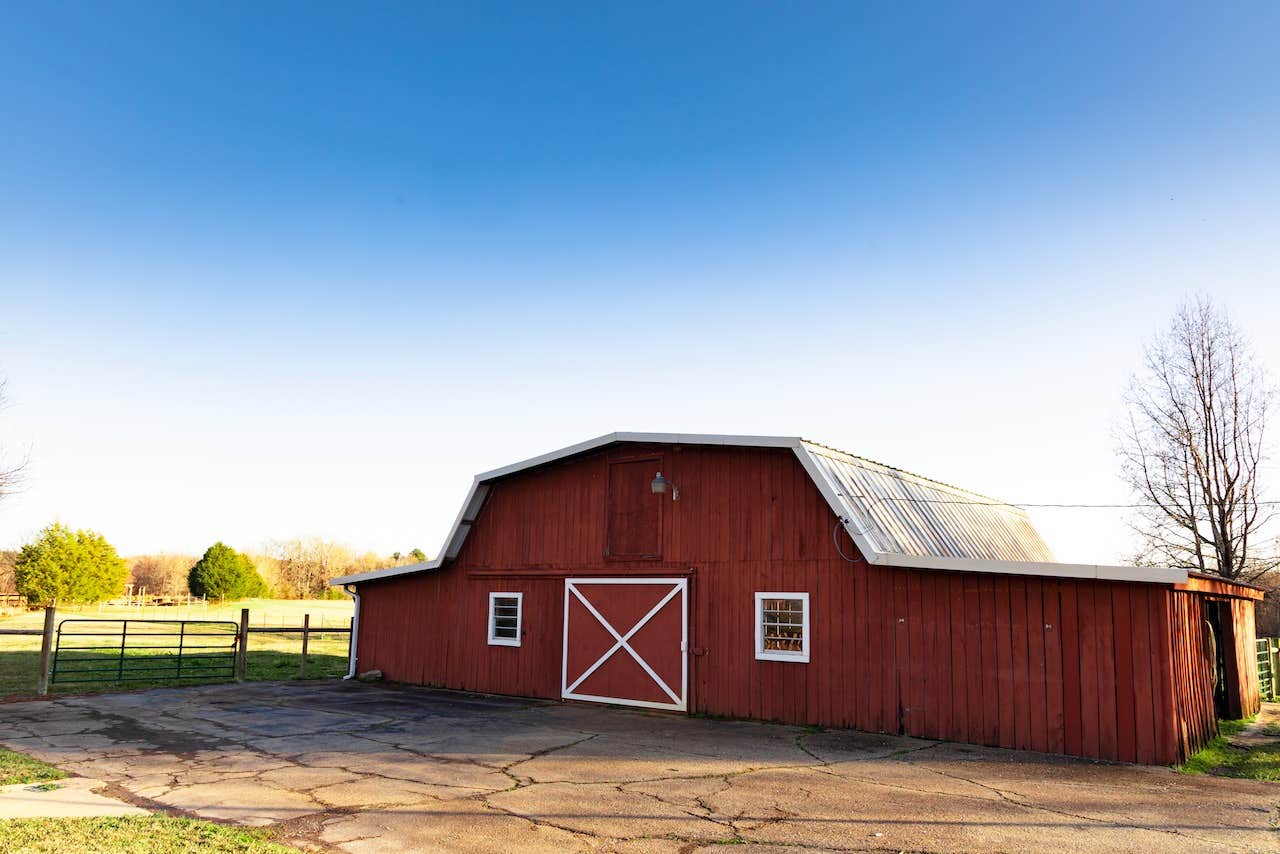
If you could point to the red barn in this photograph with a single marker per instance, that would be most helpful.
(779, 579)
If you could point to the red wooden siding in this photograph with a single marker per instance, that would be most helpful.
(1196, 722)
(1238, 639)
(1195, 718)
(1249, 697)
(1091, 668)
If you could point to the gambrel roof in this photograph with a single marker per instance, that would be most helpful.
(896, 518)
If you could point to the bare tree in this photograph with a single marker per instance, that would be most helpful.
(161, 574)
(10, 472)
(8, 582)
(1192, 446)
(305, 565)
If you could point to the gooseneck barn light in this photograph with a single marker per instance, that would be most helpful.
(660, 484)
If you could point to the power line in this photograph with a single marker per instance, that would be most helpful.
(1022, 504)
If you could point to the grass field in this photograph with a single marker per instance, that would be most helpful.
(269, 656)
(154, 834)
(20, 768)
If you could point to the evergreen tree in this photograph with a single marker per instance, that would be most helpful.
(224, 573)
(63, 565)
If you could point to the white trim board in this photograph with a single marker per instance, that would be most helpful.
(479, 491)
(762, 654)
(494, 640)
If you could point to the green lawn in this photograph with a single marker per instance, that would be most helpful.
(1223, 760)
(20, 768)
(154, 834)
(270, 656)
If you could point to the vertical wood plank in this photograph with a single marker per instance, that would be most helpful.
(959, 730)
(890, 719)
(1145, 703)
(901, 651)
(1124, 619)
(1021, 696)
(940, 655)
(973, 660)
(990, 663)
(1072, 678)
(1055, 701)
(864, 653)
(1106, 662)
(1089, 671)
(917, 719)
(1037, 698)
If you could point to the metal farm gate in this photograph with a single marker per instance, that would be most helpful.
(144, 650)
(1268, 653)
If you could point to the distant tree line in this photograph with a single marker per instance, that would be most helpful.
(80, 566)
(7, 558)
(302, 567)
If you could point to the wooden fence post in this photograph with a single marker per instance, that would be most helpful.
(244, 643)
(306, 631)
(46, 647)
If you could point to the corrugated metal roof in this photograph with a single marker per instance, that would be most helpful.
(903, 513)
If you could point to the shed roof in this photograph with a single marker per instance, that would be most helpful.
(896, 518)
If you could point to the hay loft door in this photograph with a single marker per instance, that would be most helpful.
(626, 641)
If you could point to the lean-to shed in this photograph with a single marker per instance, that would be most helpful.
(778, 579)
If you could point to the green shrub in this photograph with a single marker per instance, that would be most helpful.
(63, 565)
(224, 573)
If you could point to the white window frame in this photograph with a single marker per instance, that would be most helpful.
(497, 641)
(762, 654)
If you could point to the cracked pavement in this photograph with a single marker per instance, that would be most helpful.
(335, 766)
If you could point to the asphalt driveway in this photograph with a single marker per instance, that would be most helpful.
(364, 768)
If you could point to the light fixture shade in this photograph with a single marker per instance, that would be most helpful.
(659, 485)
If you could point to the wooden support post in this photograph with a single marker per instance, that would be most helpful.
(46, 648)
(244, 644)
(306, 632)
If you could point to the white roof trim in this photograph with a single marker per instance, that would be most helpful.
(479, 490)
(653, 438)
(1153, 574)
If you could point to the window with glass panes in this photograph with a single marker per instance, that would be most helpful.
(504, 619)
(782, 626)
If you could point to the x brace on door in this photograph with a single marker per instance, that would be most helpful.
(622, 641)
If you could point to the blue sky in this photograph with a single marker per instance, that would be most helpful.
(306, 268)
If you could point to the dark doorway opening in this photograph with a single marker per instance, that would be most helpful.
(1214, 615)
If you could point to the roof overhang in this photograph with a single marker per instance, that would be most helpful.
(480, 490)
